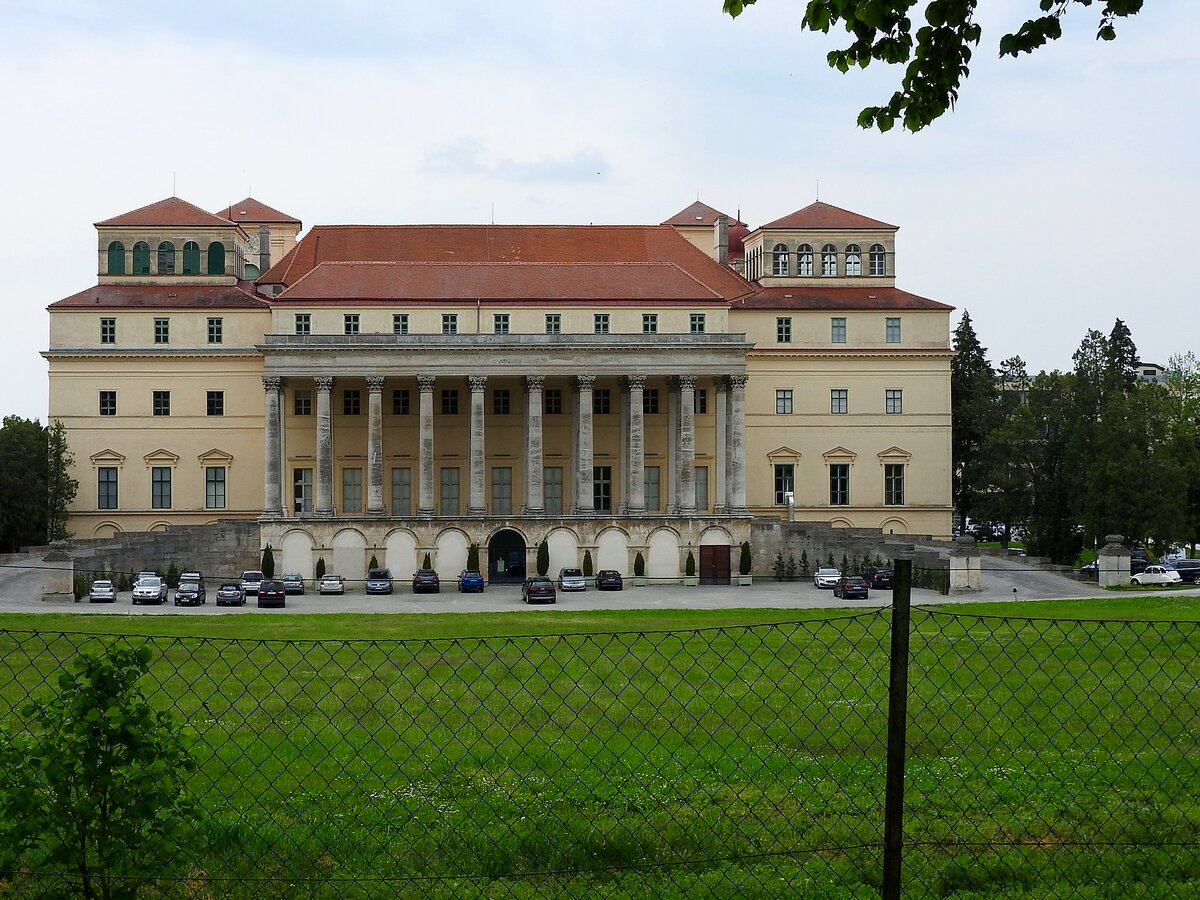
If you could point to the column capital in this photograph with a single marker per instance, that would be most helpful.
(687, 382)
(585, 382)
(272, 382)
(425, 382)
(375, 383)
(738, 382)
(636, 382)
(324, 383)
(477, 383)
(534, 382)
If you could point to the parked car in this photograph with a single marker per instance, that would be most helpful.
(1090, 570)
(571, 580)
(609, 580)
(150, 590)
(193, 577)
(471, 580)
(293, 584)
(426, 581)
(190, 593)
(1188, 569)
(1157, 575)
(849, 587)
(251, 579)
(272, 593)
(331, 583)
(379, 581)
(880, 578)
(102, 591)
(231, 594)
(538, 589)
(826, 577)
(1139, 559)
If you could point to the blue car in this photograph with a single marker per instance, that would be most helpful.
(471, 580)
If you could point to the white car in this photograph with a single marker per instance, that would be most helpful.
(331, 584)
(826, 577)
(150, 590)
(1157, 575)
(571, 580)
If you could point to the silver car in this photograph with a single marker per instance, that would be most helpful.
(571, 580)
(150, 590)
(103, 591)
(826, 577)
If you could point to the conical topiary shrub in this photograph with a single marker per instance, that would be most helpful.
(268, 562)
(543, 558)
(320, 570)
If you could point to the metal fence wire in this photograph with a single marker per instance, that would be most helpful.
(1043, 758)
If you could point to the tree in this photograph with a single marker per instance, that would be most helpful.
(744, 560)
(543, 558)
(23, 505)
(1120, 359)
(61, 488)
(689, 567)
(639, 565)
(972, 412)
(473, 556)
(320, 569)
(587, 563)
(936, 55)
(268, 562)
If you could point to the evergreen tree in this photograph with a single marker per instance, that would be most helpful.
(61, 488)
(972, 400)
(1120, 359)
(23, 506)
(268, 562)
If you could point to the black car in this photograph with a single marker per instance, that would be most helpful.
(190, 593)
(1139, 558)
(426, 581)
(1188, 569)
(231, 594)
(609, 580)
(851, 586)
(272, 593)
(880, 578)
(538, 589)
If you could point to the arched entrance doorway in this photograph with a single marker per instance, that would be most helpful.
(506, 558)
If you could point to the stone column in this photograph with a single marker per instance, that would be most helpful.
(425, 452)
(272, 487)
(735, 478)
(669, 479)
(375, 445)
(585, 502)
(1114, 562)
(966, 574)
(721, 503)
(637, 445)
(535, 497)
(687, 445)
(476, 505)
(324, 473)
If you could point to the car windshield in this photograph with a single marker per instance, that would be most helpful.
(231, 587)
(470, 573)
(331, 577)
(189, 586)
(379, 573)
(572, 573)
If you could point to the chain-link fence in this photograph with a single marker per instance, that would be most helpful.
(1043, 758)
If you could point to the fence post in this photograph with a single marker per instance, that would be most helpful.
(893, 816)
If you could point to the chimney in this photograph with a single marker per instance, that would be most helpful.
(264, 248)
(721, 236)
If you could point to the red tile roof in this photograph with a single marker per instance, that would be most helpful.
(699, 214)
(155, 296)
(823, 215)
(171, 211)
(836, 298)
(605, 281)
(256, 213)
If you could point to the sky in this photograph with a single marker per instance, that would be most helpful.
(1058, 196)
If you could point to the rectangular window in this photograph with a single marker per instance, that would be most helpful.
(837, 329)
(450, 402)
(108, 331)
(649, 323)
(402, 492)
(351, 402)
(650, 401)
(400, 402)
(600, 323)
(696, 323)
(108, 403)
(501, 402)
(892, 329)
(893, 401)
(701, 401)
(783, 330)
(302, 491)
(839, 484)
(783, 401)
(162, 331)
(501, 491)
(500, 323)
(553, 323)
(893, 484)
(652, 481)
(303, 323)
(785, 482)
(350, 323)
(449, 492)
(552, 486)
(214, 487)
(701, 487)
(162, 403)
(215, 403)
(449, 323)
(602, 401)
(106, 487)
(302, 402)
(351, 491)
(552, 402)
(160, 487)
(839, 401)
(216, 328)
(399, 323)
(602, 488)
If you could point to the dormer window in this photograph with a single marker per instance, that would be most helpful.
(878, 260)
(191, 258)
(853, 260)
(116, 258)
(166, 258)
(804, 260)
(829, 264)
(141, 258)
(781, 259)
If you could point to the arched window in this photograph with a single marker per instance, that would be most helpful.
(116, 258)
(829, 260)
(853, 259)
(781, 259)
(166, 258)
(878, 260)
(216, 258)
(804, 259)
(141, 258)
(191, 258)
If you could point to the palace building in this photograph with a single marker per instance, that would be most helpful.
(393, 391)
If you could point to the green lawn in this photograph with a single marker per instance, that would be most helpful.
(674, 753)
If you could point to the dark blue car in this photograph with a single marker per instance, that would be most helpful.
(471, 580)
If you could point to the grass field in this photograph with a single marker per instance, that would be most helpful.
(674, 753)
